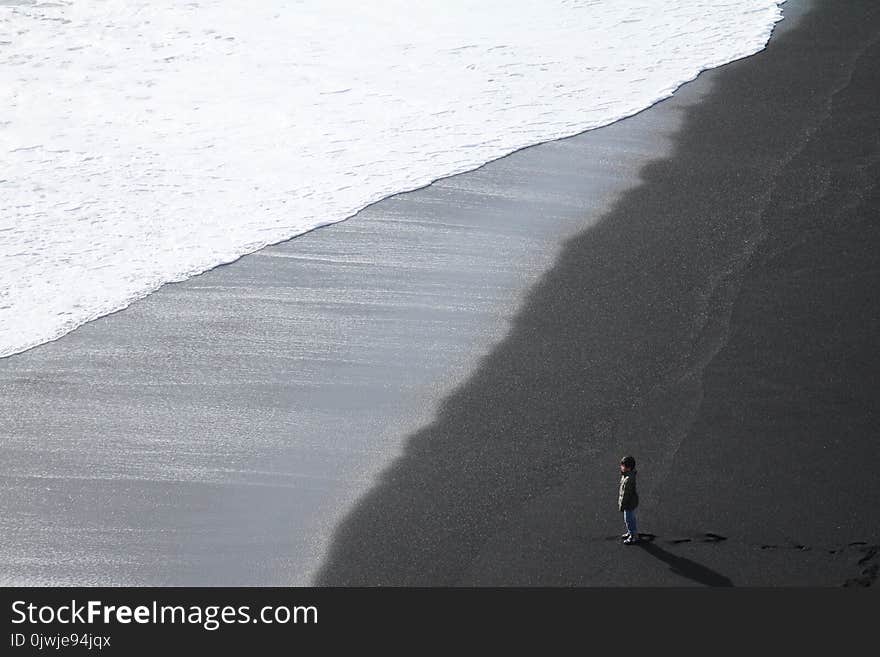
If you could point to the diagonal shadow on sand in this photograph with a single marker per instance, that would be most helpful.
(685, 567)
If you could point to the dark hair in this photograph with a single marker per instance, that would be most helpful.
(628, 461)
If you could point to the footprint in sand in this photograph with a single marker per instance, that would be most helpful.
(709, 537)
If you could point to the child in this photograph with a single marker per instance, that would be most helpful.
(628, 499)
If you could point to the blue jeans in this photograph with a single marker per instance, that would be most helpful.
(629, 519)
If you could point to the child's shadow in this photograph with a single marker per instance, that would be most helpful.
(686, 567)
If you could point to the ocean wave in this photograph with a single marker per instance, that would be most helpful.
(147, 142)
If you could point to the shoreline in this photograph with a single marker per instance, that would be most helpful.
(719, 323)
(531, 101)
(216, 431)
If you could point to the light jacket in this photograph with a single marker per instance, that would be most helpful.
(628, 498)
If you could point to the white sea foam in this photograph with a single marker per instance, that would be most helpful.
(146, 142)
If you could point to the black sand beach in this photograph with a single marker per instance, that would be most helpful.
(720, 323)
(216, 432)
(438, 390)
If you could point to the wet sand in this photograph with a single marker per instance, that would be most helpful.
(216, 432)
(720, 323)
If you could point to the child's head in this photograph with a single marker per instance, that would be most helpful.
(627, 463)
